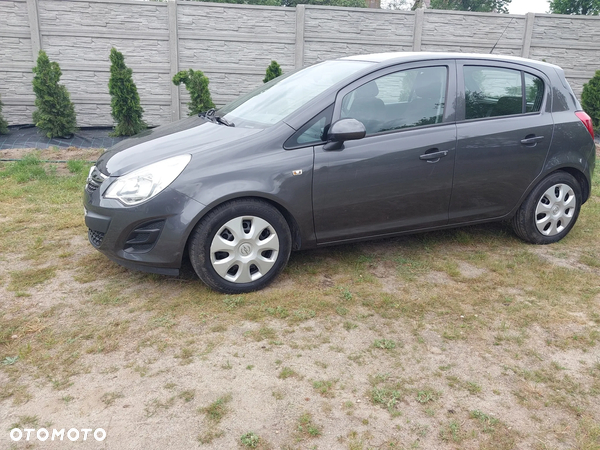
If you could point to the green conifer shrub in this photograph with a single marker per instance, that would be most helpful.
(3, 122)
(125, 101)
(273, 71)
(55, 113)
(590, 99)
(197, 85)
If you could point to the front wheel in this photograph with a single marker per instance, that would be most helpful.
(550, 211)
(240, 246)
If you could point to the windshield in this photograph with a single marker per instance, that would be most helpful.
(282, 96)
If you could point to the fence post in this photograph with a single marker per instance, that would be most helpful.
(528, 36)
(34, 28)
(174, 59)
(418, 30)
(299, 47)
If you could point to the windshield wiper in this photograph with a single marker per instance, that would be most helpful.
(224, 121)
(210, 115)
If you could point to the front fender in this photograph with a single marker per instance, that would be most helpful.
(283, 177)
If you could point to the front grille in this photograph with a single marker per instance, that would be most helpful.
(95, 179)
(95, 237)
(91, 186)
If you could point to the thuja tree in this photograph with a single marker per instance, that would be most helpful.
(590, 99)
(273, 71)
(197, 85)
(3, 123)
(125, 100)
(55, 113)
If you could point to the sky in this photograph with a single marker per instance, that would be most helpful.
(525, 6)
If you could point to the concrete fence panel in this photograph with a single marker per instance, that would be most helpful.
(473, 32)
(335, 32)
(233, 45)
(573, 42)
(79, 35)
(16, 61)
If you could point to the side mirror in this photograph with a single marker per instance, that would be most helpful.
(344, 130)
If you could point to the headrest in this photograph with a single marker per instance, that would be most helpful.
(369, 90)
(428, 84)
(430, 90)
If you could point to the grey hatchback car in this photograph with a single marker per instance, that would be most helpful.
(351, 149)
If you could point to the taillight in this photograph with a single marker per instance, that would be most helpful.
(587, 121)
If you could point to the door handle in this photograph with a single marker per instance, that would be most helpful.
(531, 140)
(433, 157)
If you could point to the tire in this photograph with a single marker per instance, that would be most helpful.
(240, 246)
(550, 210)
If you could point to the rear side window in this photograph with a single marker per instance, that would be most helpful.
(496, 92)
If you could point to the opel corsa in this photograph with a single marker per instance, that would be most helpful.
(351, 149)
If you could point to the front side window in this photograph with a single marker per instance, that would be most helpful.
(406, 99)
(495, 92)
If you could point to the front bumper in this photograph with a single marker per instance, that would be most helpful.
(150, 237)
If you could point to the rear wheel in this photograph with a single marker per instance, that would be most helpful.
(240, 246)
(550, 211)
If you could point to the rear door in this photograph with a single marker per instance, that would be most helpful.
(398, 177)
(504, 132)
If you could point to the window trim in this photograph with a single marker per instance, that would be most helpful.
(523, 69)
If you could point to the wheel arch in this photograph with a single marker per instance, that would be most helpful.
(287, 215)
(579, 176)
(552, 226)
(581, 179)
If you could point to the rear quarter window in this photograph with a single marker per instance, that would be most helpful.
(534, 93)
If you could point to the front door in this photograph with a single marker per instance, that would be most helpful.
(399, 177)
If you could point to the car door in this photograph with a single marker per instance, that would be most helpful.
(504, 128)
(399, 176)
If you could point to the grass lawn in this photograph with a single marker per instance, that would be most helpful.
(460, 339)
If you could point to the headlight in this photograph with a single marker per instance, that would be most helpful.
(143, 184)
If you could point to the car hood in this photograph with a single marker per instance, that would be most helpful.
(192, 135)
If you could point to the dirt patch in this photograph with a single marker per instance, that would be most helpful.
(470, 271)
(54, 154)
(567, 260)
(436, 277)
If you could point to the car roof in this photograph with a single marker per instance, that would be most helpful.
(386, 59)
